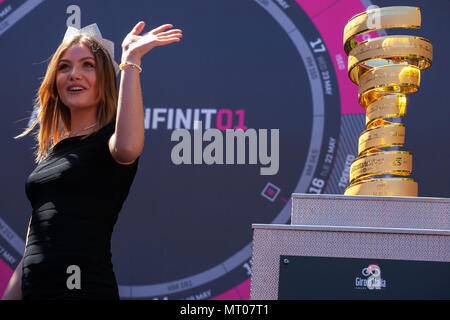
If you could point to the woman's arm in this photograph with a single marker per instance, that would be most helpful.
(13, 290)
(127, 142)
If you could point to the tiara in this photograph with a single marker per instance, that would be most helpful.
(93, 31)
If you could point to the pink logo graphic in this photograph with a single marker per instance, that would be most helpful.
(371, 270)
(270, 192)
(373, 281)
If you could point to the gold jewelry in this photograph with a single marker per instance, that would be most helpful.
(122, 65)
(389, 17)
(71, 134)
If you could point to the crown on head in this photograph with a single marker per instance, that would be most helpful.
(93, 31)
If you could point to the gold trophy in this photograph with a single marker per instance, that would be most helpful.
(385, 70)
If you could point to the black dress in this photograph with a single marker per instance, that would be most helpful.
(76, 194)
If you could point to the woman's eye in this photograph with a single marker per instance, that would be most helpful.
(63, 66)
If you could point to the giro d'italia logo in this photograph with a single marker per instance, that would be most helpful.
(371, 279)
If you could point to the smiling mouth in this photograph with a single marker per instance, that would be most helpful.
(75, 91)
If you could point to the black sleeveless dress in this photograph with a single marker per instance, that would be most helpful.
(76, 194)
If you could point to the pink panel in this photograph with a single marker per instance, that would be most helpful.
(330, 22)
(244, 290)
(313, 8)
(5, 274)
(240, 292)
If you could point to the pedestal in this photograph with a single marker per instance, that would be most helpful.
(335, 243)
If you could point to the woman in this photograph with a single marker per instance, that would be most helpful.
(89, 143)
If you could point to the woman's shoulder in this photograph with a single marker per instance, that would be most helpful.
(108, 128)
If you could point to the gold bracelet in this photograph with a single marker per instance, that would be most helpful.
(121, 66)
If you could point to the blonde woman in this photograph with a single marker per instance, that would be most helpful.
(89, 143)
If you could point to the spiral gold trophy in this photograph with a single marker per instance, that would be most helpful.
(380, 227)
(385, 70)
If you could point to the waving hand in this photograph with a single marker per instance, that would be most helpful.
(138, 45)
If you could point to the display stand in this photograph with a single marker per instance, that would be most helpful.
(335, 243)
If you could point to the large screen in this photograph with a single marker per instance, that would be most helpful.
(275, 66)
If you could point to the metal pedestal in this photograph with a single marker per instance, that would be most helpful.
(352, 227)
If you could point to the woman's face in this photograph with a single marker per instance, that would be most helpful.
(77, 70)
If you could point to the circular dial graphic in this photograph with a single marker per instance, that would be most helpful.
(198, 241)
(276, 69)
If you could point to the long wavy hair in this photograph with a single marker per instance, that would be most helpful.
(54, 116)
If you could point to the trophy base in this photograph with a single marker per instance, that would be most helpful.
(370, 211)
(389, 187)
(359, 232)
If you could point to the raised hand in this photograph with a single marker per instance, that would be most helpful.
(135, 46)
